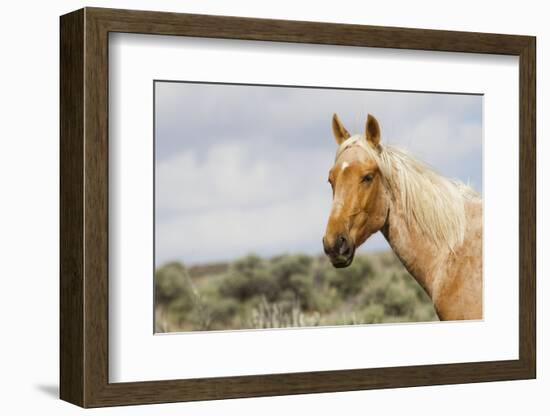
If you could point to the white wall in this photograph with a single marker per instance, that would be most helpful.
(29, 208)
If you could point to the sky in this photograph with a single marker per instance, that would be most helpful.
(243, 169)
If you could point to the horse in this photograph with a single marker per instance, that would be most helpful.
(432, 223)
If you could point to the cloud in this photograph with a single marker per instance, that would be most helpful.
(453, 149)
(224, 233)
(234, 175)
(197, 115)
(234, 201)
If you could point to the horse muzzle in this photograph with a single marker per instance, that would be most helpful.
(340, 252)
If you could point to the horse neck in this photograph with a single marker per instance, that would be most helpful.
(420, 256)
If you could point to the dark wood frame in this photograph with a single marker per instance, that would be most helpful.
(84, 208)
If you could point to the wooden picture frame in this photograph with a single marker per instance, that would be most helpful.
(84, 207)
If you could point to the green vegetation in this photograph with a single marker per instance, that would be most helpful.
(287, 291)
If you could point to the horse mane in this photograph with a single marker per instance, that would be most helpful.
(433, 202)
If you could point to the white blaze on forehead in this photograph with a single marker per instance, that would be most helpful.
(344, 165)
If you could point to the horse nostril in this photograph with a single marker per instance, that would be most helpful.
(340, 247)
(343, 246)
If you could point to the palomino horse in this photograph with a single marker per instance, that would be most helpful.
(433, 224)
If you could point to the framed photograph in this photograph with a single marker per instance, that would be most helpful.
(254, 207)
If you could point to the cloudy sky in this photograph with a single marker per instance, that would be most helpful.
(242, 169)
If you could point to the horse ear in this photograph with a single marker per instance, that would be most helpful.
(373, 131)
(338, 129)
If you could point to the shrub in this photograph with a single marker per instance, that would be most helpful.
(373, 314)
(248, 277)
(400, 300)
(289, 290)
(350, 281)
(284, 267)
(170, 282)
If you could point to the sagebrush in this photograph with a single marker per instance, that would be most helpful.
(287, 291)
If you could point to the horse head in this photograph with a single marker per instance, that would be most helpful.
(360, 201)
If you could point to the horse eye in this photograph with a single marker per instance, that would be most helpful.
(368, 177)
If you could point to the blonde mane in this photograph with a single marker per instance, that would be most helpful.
(433, 202)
